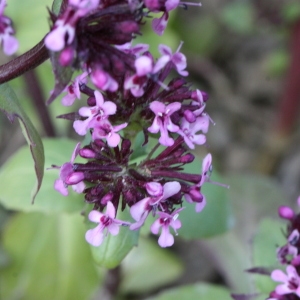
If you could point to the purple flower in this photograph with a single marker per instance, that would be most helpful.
(7, 40)
(189, 132)
(159, 25)
(162, 121)
(195, 194)
(289, 250)
(135, 50)
(73, 91)
(104, 130)
(290, 281)
(178, 59)
(99, 112)
(145, 67)
(107, 224)
(103, 80)
(165, 221)
(67, 176)
(63, 31)
(158, 193)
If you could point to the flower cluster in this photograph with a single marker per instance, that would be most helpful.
(288, 255)
(127, 95)
(8, 42)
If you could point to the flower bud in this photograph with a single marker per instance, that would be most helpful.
(286, 212)
(87, 153)
(74, 178)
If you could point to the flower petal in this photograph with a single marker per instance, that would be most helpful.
(95, 236)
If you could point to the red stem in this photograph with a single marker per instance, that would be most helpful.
(290, 102)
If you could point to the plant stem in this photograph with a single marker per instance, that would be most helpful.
(111, 285)
(35, 92)
(23, 63)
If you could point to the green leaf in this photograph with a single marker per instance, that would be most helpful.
(265, 243)
(195, 291)
(114, 248)
(56, 6)
(216, 218)
(149, 267)
(50, 259)
(16, 179)
(11, 106)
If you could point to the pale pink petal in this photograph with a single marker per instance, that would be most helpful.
(75, 152)
(68, 99)
(113, 229)
(161, 62)
(198, 139)
(166, 239)
(143, 65)
(65, 170)
(154, 128)
(81, 127)
(283, 289)
(154, 188)
(60, 187)
(113, 139)
(109, 108)
(159, 25)
(110, 210)
(206, 163)
(157, 107)
(200, 205)
(171, 4)
(99, 98)
(279, 276)
(172, 107)
(95, 216)
(55, 40)
(79, 187)
(175, 224)
(95, 236)
(164, 139)
(85, 111)
(10, 44)
(138, 209)
(171, 188)
(164, 50)
(155, 227)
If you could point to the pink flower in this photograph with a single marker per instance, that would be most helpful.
(189, 132)
(104, 130)
(178, 59)
(289, 251)
(73, 91)
(135, 50)
(9, 43)
(159, 25)
(101, 111)
(158, 193)
(136, 83)
(107, 224)
(103, 80)
(63, 31)
(195, 194)
(162, 121)
(290, 281)
(67, 176)
(165, 221)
